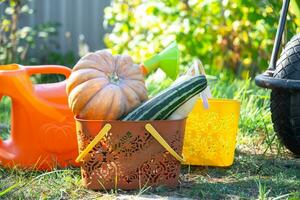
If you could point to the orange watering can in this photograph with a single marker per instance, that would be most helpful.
(43, 133)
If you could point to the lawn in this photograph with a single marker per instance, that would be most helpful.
(263, 168)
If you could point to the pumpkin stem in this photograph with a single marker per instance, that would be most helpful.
(114, 78)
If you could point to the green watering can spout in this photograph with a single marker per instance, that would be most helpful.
(167, 60)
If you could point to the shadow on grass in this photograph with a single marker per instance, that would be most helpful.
(279, 176)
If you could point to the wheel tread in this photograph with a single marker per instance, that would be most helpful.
(285, 105)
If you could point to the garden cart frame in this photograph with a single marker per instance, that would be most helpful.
(283, 78)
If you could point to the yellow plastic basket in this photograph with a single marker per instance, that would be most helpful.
(210, 135)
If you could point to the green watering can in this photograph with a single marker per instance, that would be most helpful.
(167, 60)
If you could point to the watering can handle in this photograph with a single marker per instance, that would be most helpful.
(0, 101)
(48, 69)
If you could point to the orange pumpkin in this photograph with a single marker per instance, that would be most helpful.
(103, 86)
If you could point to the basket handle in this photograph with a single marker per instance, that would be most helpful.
(163, 143)
(148, 127)
(94, 142)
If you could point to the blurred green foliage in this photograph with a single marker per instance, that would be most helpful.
(295, 8)
(233, 34)
(16, 41)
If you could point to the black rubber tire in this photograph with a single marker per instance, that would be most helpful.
(285, 104)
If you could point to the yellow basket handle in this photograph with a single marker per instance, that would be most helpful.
(163, 143)
(148, 127)
(94, 142)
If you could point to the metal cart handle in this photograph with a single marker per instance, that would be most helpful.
(279, 33)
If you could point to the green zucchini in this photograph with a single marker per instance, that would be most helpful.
(166, 102)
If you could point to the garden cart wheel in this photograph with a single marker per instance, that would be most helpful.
(283, 77)
(285, 104)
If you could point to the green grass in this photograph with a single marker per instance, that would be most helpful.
(263, 169)
(245, 179)
(5, 110)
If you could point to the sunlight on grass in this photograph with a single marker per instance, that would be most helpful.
(262, 169)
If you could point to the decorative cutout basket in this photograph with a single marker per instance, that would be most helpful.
(210, 134)
(131, 154)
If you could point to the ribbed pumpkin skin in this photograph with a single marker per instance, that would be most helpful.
(103, 86)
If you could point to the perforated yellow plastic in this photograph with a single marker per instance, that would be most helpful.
(210, 135)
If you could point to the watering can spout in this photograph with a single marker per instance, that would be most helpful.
(167, 60)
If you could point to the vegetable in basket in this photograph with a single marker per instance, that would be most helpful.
(166, 102)
(105, 87)
(184, 110)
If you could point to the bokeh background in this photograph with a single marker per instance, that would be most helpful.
(232, 35)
